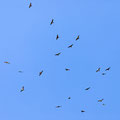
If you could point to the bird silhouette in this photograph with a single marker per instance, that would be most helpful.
(22, 89)
(100, 100)
(58, 54)
(108, 69)
(52, 22)
(77, 37)
(98, 70)
(57, 37)
(7, 62)
(30, 5)
(87, 88)
(70, 46)
(67, 69)
(69, 98)
(82, 111)
(41, 73)
(20, 71)
(58, 106)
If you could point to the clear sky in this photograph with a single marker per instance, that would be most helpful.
(29, 43)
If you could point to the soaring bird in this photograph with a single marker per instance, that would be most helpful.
(103, 73)
(87, 88)
(98, 70)
(22, 89)
(52, 22)
(7, 62)
(41, 73)
(70, 46)
(69, 98)
(77, 37)
(108, 69)
(30, 5)
(100, 100)
(82, 111)
(58, 106)
(67, 69)
(57, 36)
(58, 54)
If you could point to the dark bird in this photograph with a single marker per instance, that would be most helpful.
(98, 70)
(103, 104)
(20, 71)
(87, 88)
(52, 22)
(67, 69)
(77, 37)
(82, 111)
(22, 89)
(7, 62)
(100, 100)
(103, 73)
(58, 106)
(108, 69)
(69, 98)
(58, 54)
(41, 73)
(30, 5)
(57, 37)
(70, 46)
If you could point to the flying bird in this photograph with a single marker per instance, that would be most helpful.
(103, 73)
(57, 36)
(67, 69)
(52, 22)
(69, 98)
(58, 106)
(20, 71)
(30, 5)
(100, 100)
(7, 62)
(82, 111)
(108, 69)
(98, 70)
(70, 46)
(87, 88)
(77, 37)
(22, 89)
(41, 73)
(58, 54)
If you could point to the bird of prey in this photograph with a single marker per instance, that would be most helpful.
(41, 73)
(87, 88)
(67, 69)
(70, 46)
(98, 70)
(57, 37)
(77, 37)
(108, 69)
(58, 54)
(6, 62)
(82, 111)
(58, 106)
(30, 5)
(22, 89)
(69, 98)
(52, 22)
(103, 73)
(100, 100)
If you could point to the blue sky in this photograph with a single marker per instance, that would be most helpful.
(29, 43)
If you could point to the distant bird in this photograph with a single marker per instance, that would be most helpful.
(58, 54)
(22, 89)
(41, 73)
(57, 37)
(103, 104)
(69, 98)
(100, 100)
(77, 37)
(98, 70)
(108, 69)
(58, 106)
(20, 71)
(70, 46)
(52, 22)
(87, 88)
(82, 111)
(67, 69)
(30, 5)
(7, 62)
(103, 73)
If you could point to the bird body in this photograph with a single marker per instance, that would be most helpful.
(98, 70)
(67, 69)
(58, 54)
(87, 88)
(70, 46)
(100, 100)
(108, 69)
(57, 37)
(6, 62)
(41, 73)
(30, 5)
(58, 106)
(22, 89)
(69, 98)
(77, 37)
(103, 73)
(82, 111)
(52, 22)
